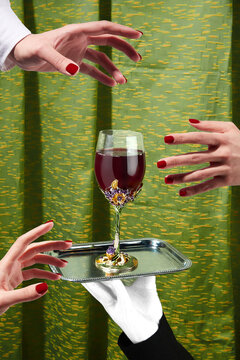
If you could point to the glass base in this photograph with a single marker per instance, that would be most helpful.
(130, 265)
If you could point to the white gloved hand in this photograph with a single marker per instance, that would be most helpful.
(136, 308)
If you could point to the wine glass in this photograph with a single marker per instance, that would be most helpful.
(119, 170)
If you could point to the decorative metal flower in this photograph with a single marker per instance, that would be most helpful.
(110, 252)
(119, 197)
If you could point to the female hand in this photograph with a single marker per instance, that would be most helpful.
(223, 156)
(65, 48)
(23, 254)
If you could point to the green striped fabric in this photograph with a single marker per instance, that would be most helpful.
(49, 125)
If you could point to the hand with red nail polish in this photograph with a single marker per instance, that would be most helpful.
(222, 155)
(23, 253)
(65, 49)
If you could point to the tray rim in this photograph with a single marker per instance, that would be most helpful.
(122, 276)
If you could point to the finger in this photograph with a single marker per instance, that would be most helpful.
(145, 282)
(39, 274)
(99, 291)
(24, 240)
(193, 158)
(29, 293)
(97, 74)
(193, 138)
(104, 61)
(205, 186)
(213, 126)
(103, 291)
(44, 259)
(120, 290)
(197, 175)
(117, 43)
(59, 62)
(103, 27)
(44, 246)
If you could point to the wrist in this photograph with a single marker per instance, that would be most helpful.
(141, 331)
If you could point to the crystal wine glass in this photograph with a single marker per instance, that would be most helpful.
(119, 170)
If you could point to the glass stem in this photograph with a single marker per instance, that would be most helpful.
(117, 229)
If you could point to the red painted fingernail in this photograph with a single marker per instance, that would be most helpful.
(140, 32)
(72, 69)
(140, 56)
(168, 179)
(182, 192)
(161, 164)
(48, 221)
(194, 121)
(125, 79)
(169, 139)
(68, 241)
(58, 274)
(64, 261)
(42, 288)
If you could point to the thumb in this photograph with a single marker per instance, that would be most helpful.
(58, 61)
(29, 293)
(104, 291)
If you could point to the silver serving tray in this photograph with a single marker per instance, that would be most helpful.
(154, 257)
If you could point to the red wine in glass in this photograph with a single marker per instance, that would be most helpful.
(127, 166)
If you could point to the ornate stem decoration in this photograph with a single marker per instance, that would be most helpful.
(119, 197)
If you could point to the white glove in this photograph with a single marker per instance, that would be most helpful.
(136, 308)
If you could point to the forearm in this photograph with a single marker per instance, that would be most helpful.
(12, 31)
(161, 346)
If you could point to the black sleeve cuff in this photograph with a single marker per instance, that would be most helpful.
(160, 346)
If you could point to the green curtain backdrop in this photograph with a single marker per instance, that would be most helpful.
(49, 125)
